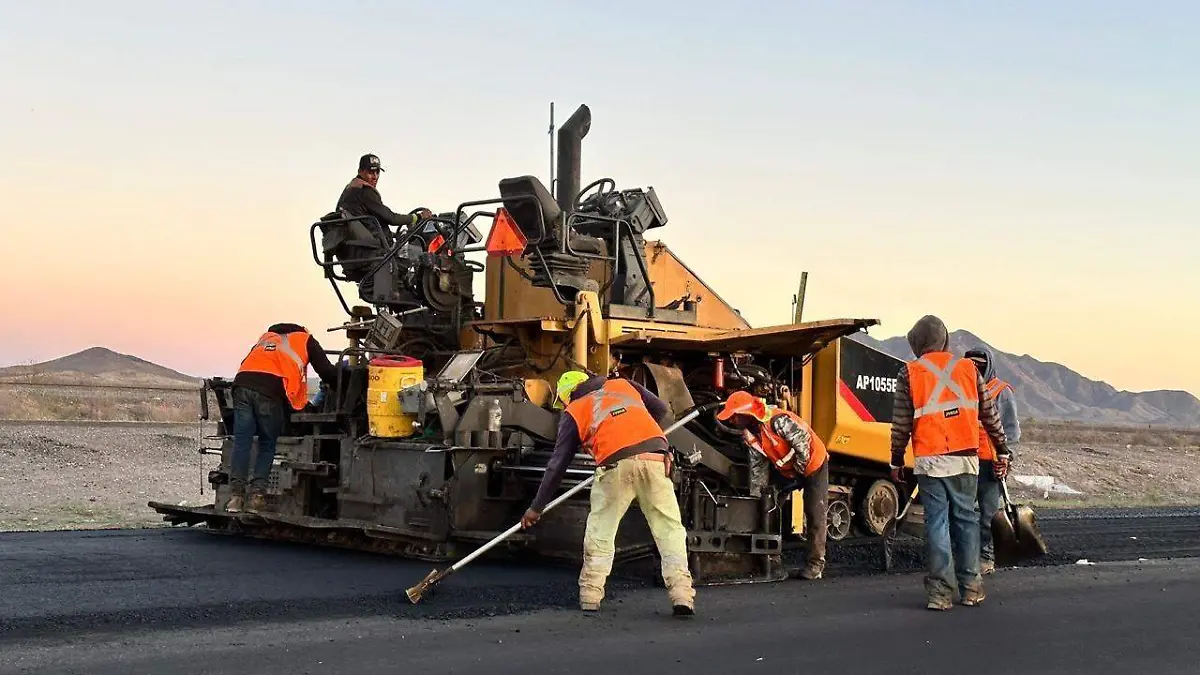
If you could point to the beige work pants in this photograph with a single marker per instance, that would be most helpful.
(612, 492)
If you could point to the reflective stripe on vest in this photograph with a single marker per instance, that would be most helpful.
(263, 358)
(944, 381)
(611, 419)
(944, 426)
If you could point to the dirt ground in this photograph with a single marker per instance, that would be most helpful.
(82, 475)
(1111, 466)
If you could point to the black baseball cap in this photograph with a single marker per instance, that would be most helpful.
(369, 161)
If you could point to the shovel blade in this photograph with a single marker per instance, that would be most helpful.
(1015, 536)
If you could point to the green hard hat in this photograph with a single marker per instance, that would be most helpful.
(567, 384)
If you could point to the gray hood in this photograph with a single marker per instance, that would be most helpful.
(986, 352)
(928, 335)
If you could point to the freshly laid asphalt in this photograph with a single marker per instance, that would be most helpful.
(183, 601)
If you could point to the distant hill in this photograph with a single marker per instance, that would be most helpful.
(97, 365)
(1053, 391)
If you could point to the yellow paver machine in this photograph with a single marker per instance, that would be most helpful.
(439, 428)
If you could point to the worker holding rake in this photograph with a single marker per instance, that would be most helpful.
(615, 421)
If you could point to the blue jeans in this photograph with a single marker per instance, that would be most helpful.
(989, 504)
(254, 413)
(951, 534)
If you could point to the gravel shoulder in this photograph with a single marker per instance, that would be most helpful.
(87, 475)
(1110, 466)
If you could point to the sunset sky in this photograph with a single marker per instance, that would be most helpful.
(1028, 172)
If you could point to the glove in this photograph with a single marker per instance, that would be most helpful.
(898, 474)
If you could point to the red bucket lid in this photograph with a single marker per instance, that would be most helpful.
(395, 362)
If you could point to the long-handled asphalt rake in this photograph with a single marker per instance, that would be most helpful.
(416, 592)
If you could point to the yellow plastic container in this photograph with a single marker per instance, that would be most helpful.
(386, 376)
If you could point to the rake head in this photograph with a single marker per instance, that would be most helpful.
(417, 592)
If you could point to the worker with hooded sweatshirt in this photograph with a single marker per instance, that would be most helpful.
(941, 403)
(617, 422)
(992, 470)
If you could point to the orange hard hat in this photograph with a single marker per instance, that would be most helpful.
(743, 403)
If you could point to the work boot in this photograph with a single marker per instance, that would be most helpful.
(683, 608)
(258, 502)
(235, 504)
(987, 566)
(939, 604)
(589, 606)
(812, 572)
(973, 597)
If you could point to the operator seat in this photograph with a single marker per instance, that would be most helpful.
(525, 214)
(357, 240)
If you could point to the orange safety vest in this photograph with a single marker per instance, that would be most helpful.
(945, 398)
(986, 450)
(611, 419)
(285, 356)
(780, 452)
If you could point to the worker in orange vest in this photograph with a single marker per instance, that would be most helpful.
(617, 422)
(271, 379)
(992, 469)
(941, 404)
(782, 439)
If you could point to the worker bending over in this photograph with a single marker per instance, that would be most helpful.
(272, 378)
(991, 470)
(616, 421)
(361, 197)
(782, 439)
(941, 402)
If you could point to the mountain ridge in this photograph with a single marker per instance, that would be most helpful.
(1053, 391)
(96, 365)
(1044, 389)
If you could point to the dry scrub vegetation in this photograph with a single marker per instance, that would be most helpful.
(92, 403)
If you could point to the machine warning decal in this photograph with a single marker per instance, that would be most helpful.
(867, 380)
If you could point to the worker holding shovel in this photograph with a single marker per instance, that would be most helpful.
(615, 420)
(993, 469)
(941, 402)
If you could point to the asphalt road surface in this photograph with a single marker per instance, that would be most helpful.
(178, 601)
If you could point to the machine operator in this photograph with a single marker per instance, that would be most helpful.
(782, 439)
(273, 375)
(361, 197)
(617, 422)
